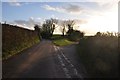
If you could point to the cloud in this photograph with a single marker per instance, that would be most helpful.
(38, 18)
(100, 7)
(105, 1)
(106, 4)
(50, 8)
(78, 21)
(72, 9)
(14, 3)
(47, 7)
(29, 24)
(95, 7)
(18, 3)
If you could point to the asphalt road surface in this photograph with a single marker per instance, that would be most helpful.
(44, 60)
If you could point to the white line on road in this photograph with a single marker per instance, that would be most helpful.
(63, 65)
(64, 68)
(55, 48)
(66, 72)
(60, 59)
(75, 71)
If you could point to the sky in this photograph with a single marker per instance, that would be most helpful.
(90, 16)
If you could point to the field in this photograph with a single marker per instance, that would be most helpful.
(99, 55)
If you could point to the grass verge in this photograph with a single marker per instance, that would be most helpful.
(17, 49)
(61, 40)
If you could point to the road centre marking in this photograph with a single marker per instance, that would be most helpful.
(63, 65)
(64, 68)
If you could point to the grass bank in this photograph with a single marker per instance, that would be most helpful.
(61, 41)
(99, 56)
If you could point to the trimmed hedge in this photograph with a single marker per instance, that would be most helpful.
(16, 39)
(99, 55)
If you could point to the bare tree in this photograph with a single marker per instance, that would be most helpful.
(70, 24)
(49, 27)
(66, 24)
(63, 27)
(53, 23)
(37, 29)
